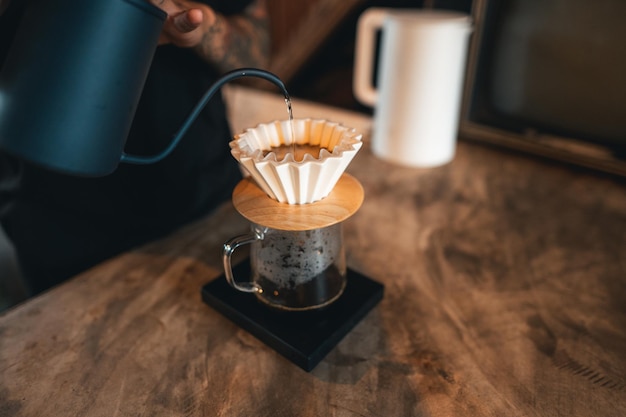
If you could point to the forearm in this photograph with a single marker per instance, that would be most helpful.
(237, 41)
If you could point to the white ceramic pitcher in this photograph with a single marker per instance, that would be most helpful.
(420, 82)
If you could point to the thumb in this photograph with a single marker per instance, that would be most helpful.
(187, 20)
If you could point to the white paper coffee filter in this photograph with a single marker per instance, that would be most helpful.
(290, 181)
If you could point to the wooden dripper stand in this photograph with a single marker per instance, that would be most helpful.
(257, 207)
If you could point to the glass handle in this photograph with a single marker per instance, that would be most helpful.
(227, 252)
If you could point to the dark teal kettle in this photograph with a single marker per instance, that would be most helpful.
(72, 80)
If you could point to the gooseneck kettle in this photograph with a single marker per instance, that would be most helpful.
(72, 80)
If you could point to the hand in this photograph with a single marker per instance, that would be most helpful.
(186, 23)
(224, 42)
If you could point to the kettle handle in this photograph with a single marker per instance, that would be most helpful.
(370, 22)
(242, 72)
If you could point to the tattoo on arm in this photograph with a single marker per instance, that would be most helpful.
(238, 41)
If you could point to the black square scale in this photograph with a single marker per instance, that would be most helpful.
(304, 338)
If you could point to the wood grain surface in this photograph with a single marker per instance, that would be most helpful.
(299, 29)
(505, 295)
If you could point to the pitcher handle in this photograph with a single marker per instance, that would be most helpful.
(227, 252)
(370, 21)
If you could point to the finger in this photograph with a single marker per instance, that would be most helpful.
(170, 7)
(188, 20)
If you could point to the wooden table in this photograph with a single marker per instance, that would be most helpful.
(505, 282)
